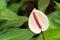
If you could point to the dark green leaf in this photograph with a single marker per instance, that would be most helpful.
(58, 4)
(43, 4)
(16, 6)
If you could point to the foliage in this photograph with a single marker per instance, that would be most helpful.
(43, 4)
(11, 21)
(51, 34)
(16, 34)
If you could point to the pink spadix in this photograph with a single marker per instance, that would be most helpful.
(38, 21)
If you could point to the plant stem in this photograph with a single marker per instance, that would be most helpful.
(42, 35)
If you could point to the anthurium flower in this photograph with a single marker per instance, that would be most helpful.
(38, 21)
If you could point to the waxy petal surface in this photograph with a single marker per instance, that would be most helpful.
(38, 21)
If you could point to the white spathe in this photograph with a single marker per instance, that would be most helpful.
(43, 20)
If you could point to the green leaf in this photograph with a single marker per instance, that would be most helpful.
(58, 4)
(33, 38)
(11, 19)
(14, 23)
(51, 34)
(24, 7)
(43, 4)
(16, 6)
(3, 5)
(8, 15)
(16, 34)
(54, 19)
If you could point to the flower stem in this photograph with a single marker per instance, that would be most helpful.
(42, 35)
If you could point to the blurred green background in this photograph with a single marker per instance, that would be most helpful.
(14, 15)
